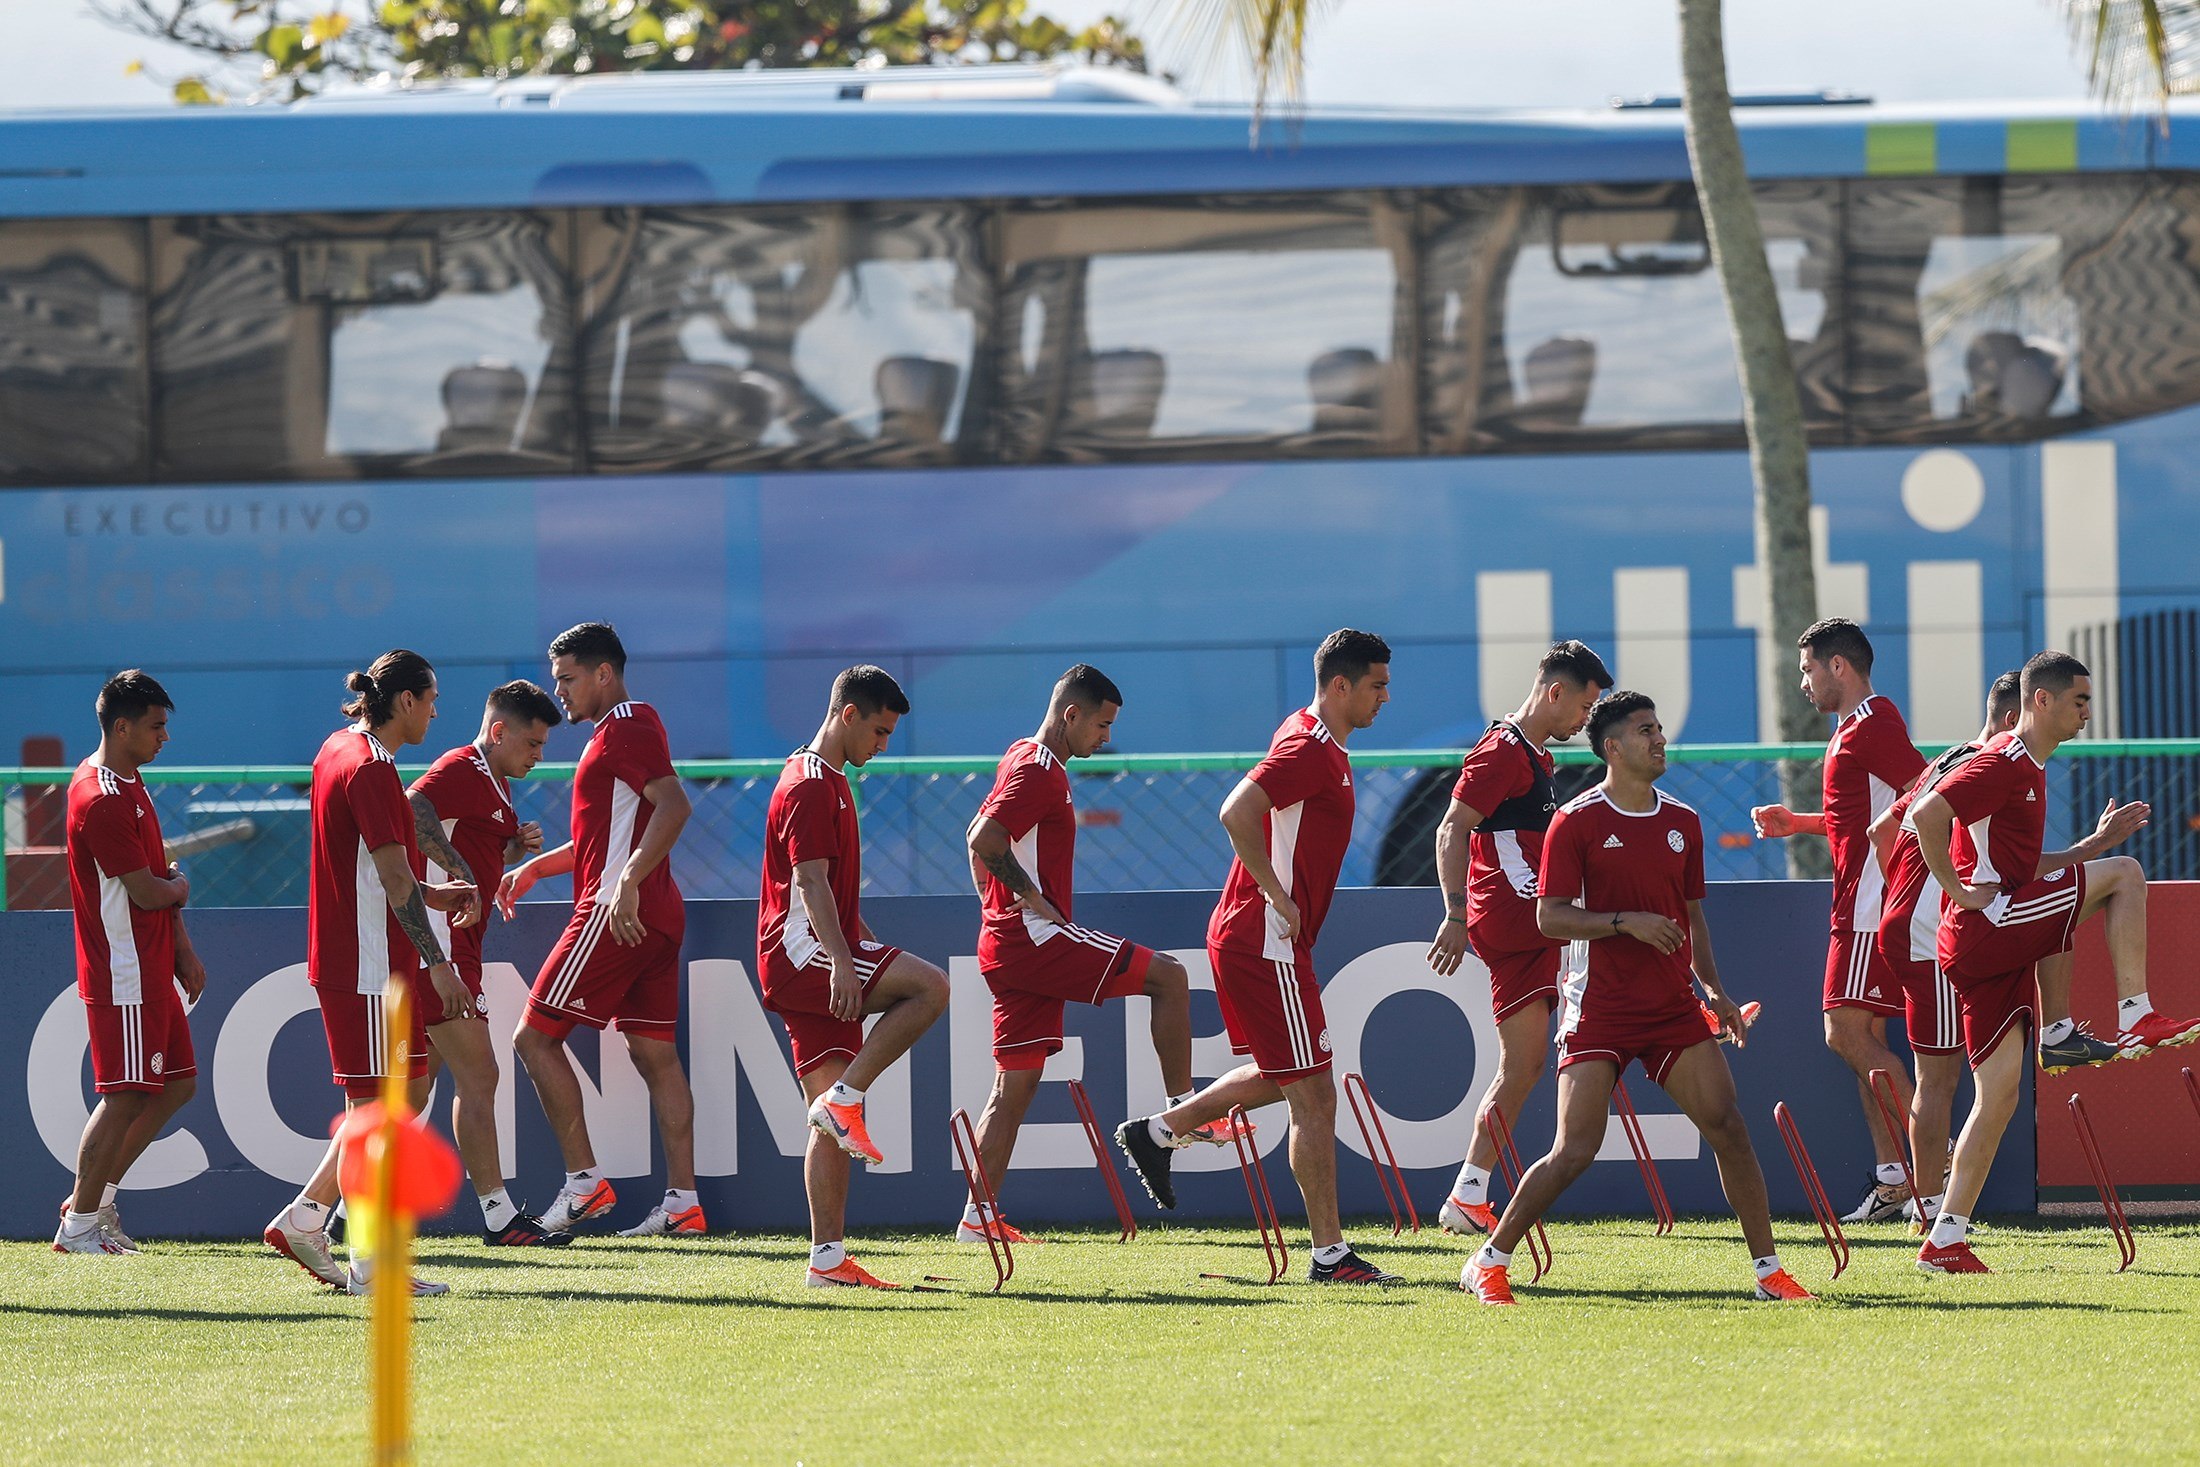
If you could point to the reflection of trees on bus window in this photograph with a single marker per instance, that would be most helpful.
(336, 346)
(816, 334)
(72, 350)
(1200, 327)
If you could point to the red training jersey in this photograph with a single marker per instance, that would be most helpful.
(1507, 781)
(120, 947)
(1869, 761)
(473, 803)
(1307, 777)
(353, 941)
(1913, 896)
(611, 814)
(2000, 804)
(812, 818)
(1032, 802)
(1606, 859)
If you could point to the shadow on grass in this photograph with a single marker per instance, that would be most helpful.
(820, 1299)
(172, 1314)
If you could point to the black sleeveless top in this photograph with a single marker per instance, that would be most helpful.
(1534, 809)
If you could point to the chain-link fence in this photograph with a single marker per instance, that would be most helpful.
(1147, 822)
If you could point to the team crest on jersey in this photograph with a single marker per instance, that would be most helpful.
(159, 1060)
(1322, 1043)
(1676, 840)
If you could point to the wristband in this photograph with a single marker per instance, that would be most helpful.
(1448, 917)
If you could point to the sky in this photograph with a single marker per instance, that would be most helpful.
(1447, 53)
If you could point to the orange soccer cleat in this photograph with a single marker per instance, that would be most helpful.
(1466, 1218)
(1487, 1282)
(1001, 1228)
(849, 1275)
(1781, 1285)
(843, 1126)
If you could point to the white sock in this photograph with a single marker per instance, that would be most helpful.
(2131, 1010)
(76, 1224)
(1177, 1100)
(1471, 1185)
(840, 1094)
(496, 1208)
(1163, 1136)
(1330, 1253)
(1932, 1205)
(582, 1182)
(1949, 1230)
(1889, 1173)
(974, 1214)
(1488, 1256)
(2058, 1031)
(107, 1195)
(308, 1216)
(825, 1257)
(679, 1201)
(1767, 1266)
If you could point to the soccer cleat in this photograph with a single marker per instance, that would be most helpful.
(1350, 1269)
(524, 1232)
(110, 1224)
(1221, 1132)
(849, 1275)
(1954, 1258)
(1487, 1282)
(2157, 1031)
(686, 1223)
(843, 1126)
(1001, 1228)
(94, 1239)
(1466, 1218)
(1750, 1011)
(1149, 1161)
(1781, 1285)
(357, 1283)
(308, 1249)
(2078, 1049)
(567, 1209)
(1882, 1203)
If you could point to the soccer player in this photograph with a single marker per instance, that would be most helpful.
(1488, 848)
(628, 810)
(1622, 879)
(1023, 847)
(821, 966)
(2008, 906)
(1869, 762)
(1289, 822)
(1908, 933)
(367, 927)
(131, 952)
(467, 829)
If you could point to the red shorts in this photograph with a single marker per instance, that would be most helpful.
(468, 970)
(1930, 1011)
(140, 1046)
(1994, 1006)
(1029, 991)
(2025, 923)
(1657, 1045)
(1273, 1010)
(592, 978)
(1520, 978)
(358, 1045)
(1857, 977)
(802, 997)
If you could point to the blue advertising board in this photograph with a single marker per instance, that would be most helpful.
(1427, 1046)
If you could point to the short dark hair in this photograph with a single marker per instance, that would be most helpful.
(2051, 672)
(131, 693)
(395, 671)
(871, 689)
(1837, 636)
(1574, 662)
(1086, 686)
(520, 701)
(2005, 696)
(591, 644)
(1348, 654)
(1613, 711)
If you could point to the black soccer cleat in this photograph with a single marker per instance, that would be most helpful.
(1350, 1269)
(524, 1232)
(1149, 1161)
(2078, 1049)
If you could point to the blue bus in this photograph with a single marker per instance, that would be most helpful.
(974, 373)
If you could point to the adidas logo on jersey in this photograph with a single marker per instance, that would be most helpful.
(1611, 843)
(579, 1006)
(2031, 795)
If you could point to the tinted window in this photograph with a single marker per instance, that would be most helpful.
(1265, 326)
(1565, 317)
(72, 351)
(822, 334)
(331, 346)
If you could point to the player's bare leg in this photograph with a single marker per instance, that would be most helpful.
(1703, 1087)
(559, 1090)
(1859, 1037)
(908, 996)
(1932, 1115)
(1996, 1082)
(2116, 886)
(657, 1061)
(1523, 1048)
(825, 1171)
(462, 1047)
(1584, 1106)
(119, 1129)
(997, 1130)
(300, 1231)
(1169, 988)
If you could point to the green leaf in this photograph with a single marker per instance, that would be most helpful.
(192, 92)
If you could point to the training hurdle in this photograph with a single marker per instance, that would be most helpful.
(2119, 1226)
(1127, 1224)
(1829, 1221)
(981, 1192)
(1387, 1173)
(1661, 1207)
(1890, 1111)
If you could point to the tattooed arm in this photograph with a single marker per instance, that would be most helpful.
(408, 902)
(989, 847)
(437, 847)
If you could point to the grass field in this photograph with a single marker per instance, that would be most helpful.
(1639, 1348)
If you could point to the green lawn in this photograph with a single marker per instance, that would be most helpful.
(1638, 1349)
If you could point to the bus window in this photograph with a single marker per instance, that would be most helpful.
(1204, 328)
(2009, 308)
(72, 351)
(826, 334)
(1571, 317)
(341, 346)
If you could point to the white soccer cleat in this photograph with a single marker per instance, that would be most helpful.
(93, 1239)
(110, 1223)
(687, 1223)
(357, 1283)
(568, 1209)
(308, 1249)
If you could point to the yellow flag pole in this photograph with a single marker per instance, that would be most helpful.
(391, 1302)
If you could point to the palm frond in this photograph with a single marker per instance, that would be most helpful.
(1267, 38)
(2137, 51)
